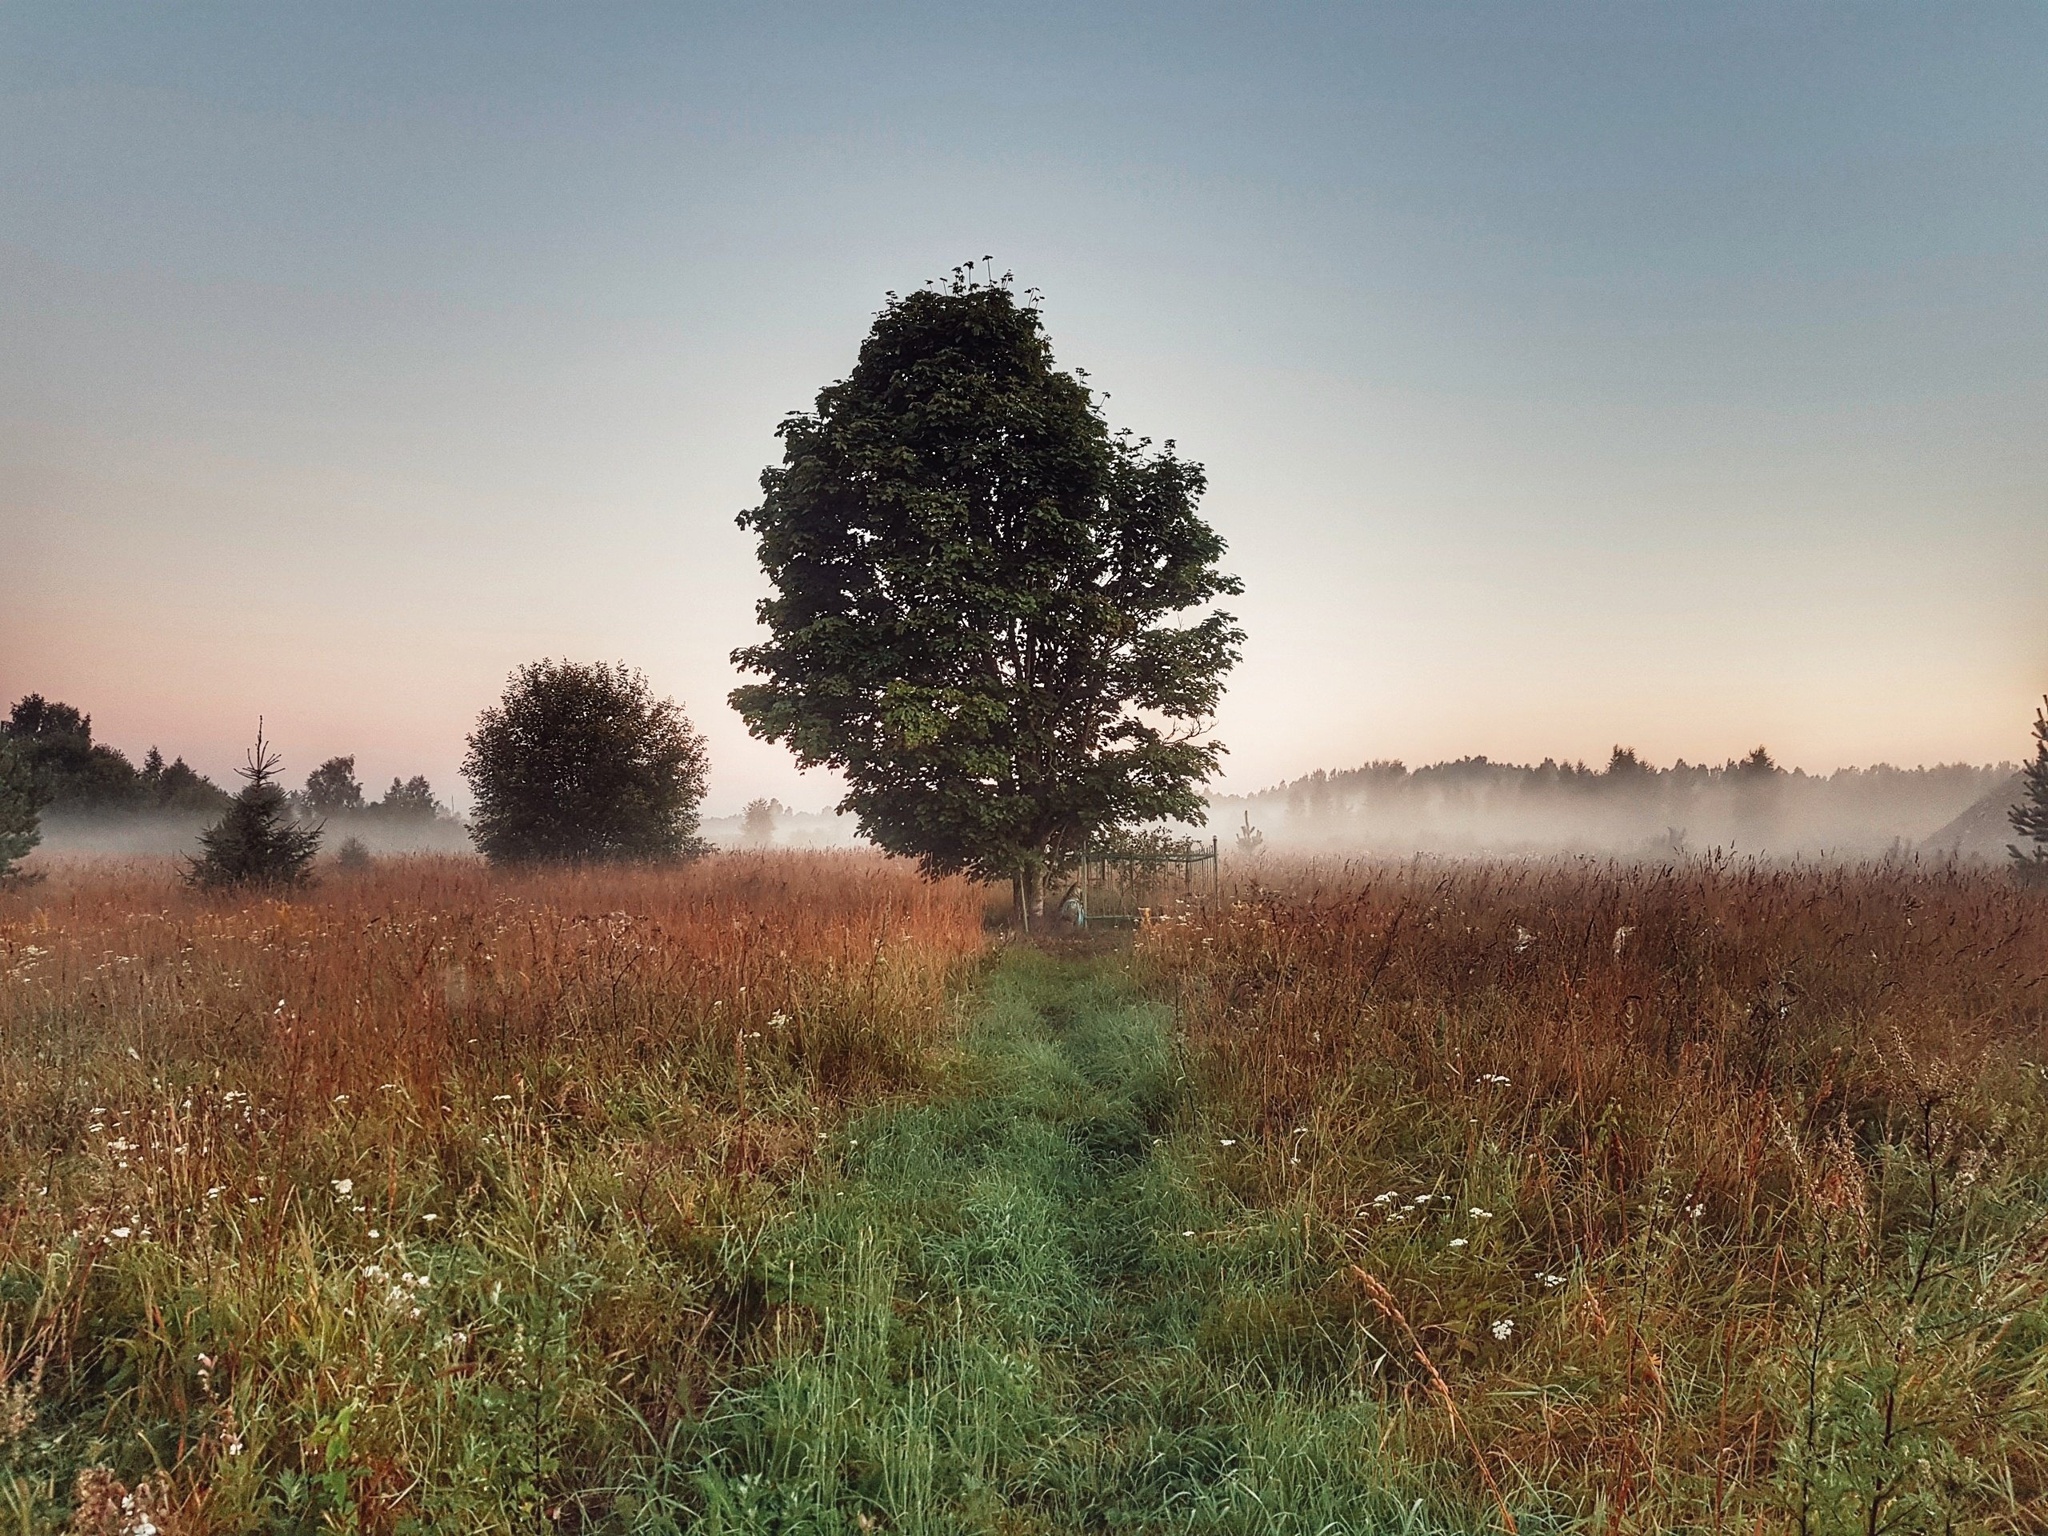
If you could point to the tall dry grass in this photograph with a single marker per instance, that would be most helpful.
(1709, 1197)
(421, 1201)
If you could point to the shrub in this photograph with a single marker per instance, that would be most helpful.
(584, 763)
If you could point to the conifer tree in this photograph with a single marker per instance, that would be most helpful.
(1251, 842)
(2030, 817)
(256, 841)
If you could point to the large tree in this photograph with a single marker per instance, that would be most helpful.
(988, 609)
(584, 762)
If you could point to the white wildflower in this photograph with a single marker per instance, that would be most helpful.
(1503, 1329)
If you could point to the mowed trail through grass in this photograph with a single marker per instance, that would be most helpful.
(1020, 1313)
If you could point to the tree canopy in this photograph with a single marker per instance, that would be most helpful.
(333, 786)
(987, 606)
(70, 768)
(412, 799)
(21, 804)
(584, 762)
(76, 775)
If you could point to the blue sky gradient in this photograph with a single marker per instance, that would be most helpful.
(1566, 375)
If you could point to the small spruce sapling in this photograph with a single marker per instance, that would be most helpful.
(256, 841)
(2030, 817)
(1251, 842)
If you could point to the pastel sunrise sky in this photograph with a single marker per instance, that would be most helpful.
(1566, 375)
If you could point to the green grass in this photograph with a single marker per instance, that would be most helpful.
(1019, 1311)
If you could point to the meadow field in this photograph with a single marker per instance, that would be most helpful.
(782, 1193)
(420, 1201)
(1706, 1197)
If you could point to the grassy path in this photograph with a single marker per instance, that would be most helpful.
(1019, 1314)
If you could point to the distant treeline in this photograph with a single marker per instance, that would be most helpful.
(89, 790)
(74, 773)
(1629, 806)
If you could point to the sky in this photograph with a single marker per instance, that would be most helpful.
(1566, 375)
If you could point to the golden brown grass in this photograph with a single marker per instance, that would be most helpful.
(1694, 1197)
(1566, 1195)
(420, 1201)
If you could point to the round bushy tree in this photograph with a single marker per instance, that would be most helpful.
(584, 762)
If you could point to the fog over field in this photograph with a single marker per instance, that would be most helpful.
(1468, 808)
(1627, 809)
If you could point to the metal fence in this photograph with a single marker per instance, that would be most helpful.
(1118, 884)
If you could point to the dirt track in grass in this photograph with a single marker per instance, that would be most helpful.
(1017, 1312)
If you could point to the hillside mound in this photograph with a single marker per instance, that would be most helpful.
(1983, 831)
